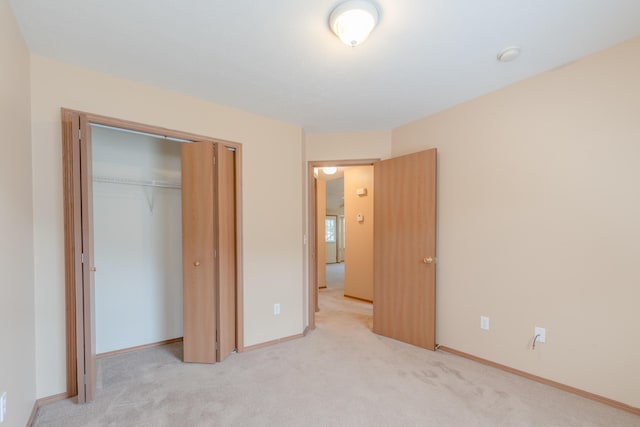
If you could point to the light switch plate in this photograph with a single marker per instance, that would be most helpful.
(484, 323)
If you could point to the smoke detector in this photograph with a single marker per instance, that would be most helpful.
(508, 54)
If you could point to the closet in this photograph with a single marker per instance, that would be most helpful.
(137, 239)
(152, 242)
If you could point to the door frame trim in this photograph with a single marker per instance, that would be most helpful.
(312, 221)
(74, 319)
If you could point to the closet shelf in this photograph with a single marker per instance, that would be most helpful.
(142, 183)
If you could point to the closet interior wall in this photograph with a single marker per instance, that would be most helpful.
(138, 241)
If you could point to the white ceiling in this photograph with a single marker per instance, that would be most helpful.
(278, 58)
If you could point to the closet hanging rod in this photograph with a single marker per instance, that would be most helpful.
(125, 181)
(137, 132)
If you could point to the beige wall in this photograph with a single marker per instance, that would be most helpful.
(272, 238)
(538, 213)
(17, 357)
(348, 146)
(358, 250)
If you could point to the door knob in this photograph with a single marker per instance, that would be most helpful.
(428, 260)
(196, 263)
(93, 269)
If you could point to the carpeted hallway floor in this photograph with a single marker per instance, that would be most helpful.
(335, 276)
(341, 374)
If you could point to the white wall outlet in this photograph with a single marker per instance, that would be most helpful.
(276, 309)
(3, 406)
(540, 333)
(484, 323)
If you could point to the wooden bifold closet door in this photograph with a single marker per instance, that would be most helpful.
(208, 251)
(212, 253)
(87, 373)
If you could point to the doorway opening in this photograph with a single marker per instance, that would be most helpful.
(329, 215)
(345, 213)
(403, 244)
(330, 236)
(213, 182)
(344, 199)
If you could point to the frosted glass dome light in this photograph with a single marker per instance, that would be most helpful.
(353, 21)
(329, 170)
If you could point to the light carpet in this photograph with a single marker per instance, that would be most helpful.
(335, 275)
(341, 374)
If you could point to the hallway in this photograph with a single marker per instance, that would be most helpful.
(336, 309)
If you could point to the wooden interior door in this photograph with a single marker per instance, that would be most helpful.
(404, 248)
(198, 263)
(227, 250)
(86, 357)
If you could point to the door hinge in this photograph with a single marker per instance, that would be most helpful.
(82, 258)
(217, 341)
(79, 135)
(215, 253)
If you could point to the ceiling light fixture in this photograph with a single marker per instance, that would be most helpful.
(329, 170)
(353, 21)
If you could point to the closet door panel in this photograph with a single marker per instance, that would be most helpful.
(198, 262)
(226, 172)
(88, 271)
